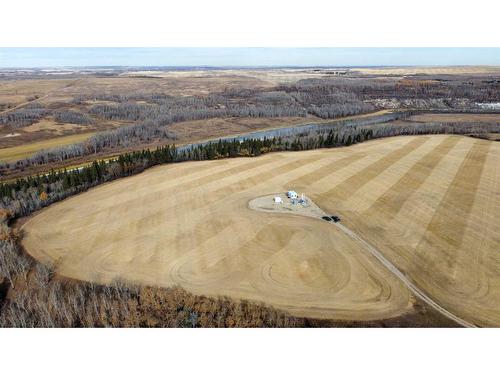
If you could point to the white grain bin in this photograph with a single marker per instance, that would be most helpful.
(292, 194)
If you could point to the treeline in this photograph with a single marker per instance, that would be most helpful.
(161, 115)
(40, 299)
(31, 193)
(28, 194)
(22, 117)
(327, 101)
(160, 109)
(335, 92)
(152, 113)
(73, 117)
(151, 120)
(478, 89)
(32, 295)
(34, 112)
(55, 304)
(156, 111)
(124, 136)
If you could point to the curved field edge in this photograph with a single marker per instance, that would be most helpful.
(41, 299)
(320, 167)
(240, 262)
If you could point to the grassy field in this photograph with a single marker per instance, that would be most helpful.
(17, 92)
(23, 151)
(430, 204)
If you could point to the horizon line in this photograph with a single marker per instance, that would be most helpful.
(240, 66)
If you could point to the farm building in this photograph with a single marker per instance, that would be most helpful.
(292, 194)
(278, 200)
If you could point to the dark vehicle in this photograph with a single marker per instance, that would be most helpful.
(327, 218)
(335, 218)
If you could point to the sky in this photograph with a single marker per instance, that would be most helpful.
(244, 57)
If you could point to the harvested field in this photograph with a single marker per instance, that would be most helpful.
(430, 204)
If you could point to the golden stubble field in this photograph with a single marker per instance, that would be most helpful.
(430, 204)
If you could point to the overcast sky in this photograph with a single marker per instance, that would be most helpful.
(241, 57)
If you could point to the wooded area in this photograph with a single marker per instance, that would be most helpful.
(146, 116)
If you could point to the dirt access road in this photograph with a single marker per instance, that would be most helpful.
(391, 267)
(40, 98)
(309, 209)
